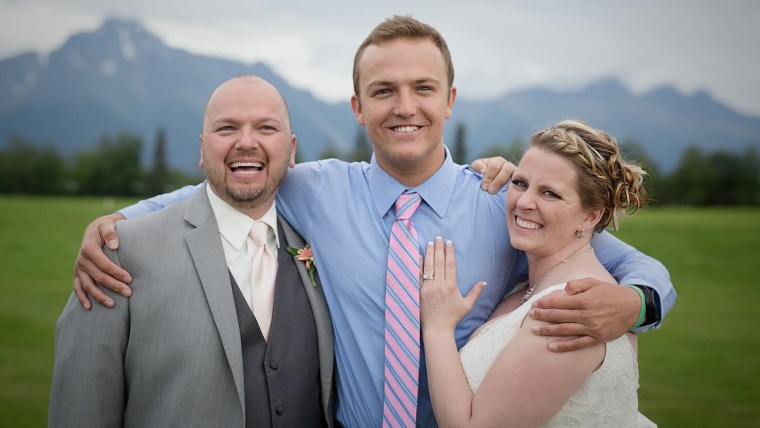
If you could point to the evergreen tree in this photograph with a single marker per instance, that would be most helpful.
(459, 151)
(27, 168)
(112, 168)
(688, 183)
(158, 178)
(362, 148)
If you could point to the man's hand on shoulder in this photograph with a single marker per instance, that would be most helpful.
(592, 310)
(496, 172)
(93, 267)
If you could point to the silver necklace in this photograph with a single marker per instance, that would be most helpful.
(528, 293)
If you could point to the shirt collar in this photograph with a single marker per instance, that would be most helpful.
(436, 191)
(234, 225)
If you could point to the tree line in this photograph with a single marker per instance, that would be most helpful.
(701, 178)
(113, 168)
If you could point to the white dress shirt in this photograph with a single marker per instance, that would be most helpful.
(238, 246)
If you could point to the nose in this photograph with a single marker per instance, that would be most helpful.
(405, 104)
(247, 140)
(525, 201)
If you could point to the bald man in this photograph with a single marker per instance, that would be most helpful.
(197, 346)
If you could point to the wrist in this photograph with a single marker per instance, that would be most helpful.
(437, 330)
(651, 304)
(642, 309)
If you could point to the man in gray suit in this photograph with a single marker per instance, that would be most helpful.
(191, 352)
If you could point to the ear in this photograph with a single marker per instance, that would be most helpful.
(592, 218)
(356, 107)
(452, 98)
(292, 163)
(200, 162)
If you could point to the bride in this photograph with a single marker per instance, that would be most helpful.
(570, 183)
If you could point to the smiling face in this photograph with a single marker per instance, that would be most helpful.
(404, 100)
(544, 209)
(247, 144)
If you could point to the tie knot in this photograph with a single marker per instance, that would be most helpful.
(259, 232)
(406, 205)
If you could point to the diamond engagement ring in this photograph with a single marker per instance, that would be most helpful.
(428, 276)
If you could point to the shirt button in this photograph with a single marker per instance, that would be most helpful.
(279, 410)
(273, 365)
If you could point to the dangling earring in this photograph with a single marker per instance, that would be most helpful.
(580, 233)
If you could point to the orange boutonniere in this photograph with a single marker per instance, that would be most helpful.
(305, 255)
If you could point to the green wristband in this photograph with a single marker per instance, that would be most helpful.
(643, 311)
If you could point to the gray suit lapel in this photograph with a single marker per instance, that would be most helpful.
(207, 253)
(321, 315)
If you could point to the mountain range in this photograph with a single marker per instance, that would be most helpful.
(121, 77)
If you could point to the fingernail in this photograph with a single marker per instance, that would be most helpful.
(484, 284)
(430, 243)
(531, 313)
(438, 238)
(126, 292)
(126, 278)
(553, 346)
(449, 243)
(113, 244)
(109, 303)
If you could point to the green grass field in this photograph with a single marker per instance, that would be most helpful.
(700, 369)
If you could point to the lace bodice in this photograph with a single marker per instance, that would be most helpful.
(607, 398)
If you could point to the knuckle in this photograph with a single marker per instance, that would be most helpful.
(584, 302)
(88, 287)
(99, 277)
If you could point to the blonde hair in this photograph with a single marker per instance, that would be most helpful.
(605, 180)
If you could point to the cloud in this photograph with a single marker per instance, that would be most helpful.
(497, 46)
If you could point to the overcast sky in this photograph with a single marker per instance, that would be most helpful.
(497, 45)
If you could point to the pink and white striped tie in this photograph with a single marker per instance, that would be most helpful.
(402, 318)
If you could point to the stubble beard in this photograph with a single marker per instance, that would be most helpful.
(247, 197)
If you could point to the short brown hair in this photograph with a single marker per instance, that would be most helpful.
(605, 180)
(403, 27)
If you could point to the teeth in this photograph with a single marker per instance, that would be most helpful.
(246, 165)
(406, 128)
(527, 224)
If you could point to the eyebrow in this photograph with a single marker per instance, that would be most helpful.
(394, 83)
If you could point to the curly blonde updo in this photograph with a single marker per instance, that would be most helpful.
(605, 180)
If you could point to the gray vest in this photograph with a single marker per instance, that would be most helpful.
(282, 375)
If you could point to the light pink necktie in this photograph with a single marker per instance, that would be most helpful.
(402, 318)
(263, 277)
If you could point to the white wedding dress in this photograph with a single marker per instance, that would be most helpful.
(607, 398)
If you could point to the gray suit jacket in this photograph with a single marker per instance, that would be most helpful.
(170, 355)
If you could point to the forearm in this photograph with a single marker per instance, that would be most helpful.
(157, 202)
(632, 267)
(449, 391)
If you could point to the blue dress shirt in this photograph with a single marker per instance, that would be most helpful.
(345, 211)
